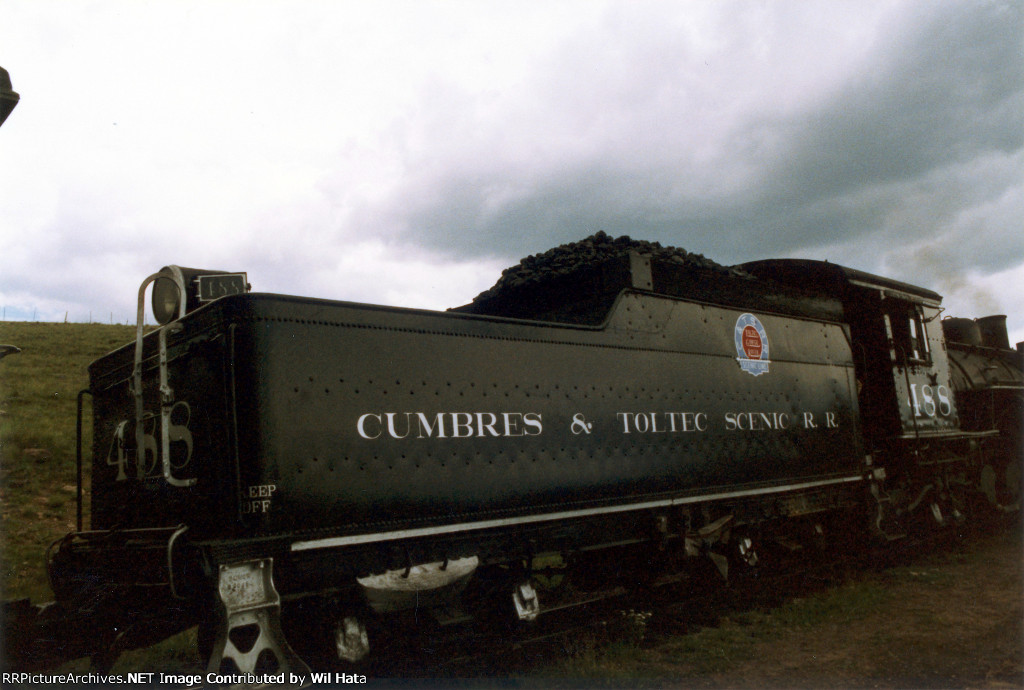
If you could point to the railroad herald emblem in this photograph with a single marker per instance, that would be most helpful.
(751, 345)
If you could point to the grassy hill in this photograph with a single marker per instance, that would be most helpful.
(38, 392)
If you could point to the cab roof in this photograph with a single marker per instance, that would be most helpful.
(835, 280)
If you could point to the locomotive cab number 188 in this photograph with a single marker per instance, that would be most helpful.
(929, 401)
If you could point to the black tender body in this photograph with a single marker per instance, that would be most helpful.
(318, 419)
(614, 416)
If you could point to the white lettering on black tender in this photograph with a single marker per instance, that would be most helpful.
(422, 425)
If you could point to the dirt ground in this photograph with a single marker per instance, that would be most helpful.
(945, 623)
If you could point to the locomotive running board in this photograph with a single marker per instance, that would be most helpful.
(356, 539)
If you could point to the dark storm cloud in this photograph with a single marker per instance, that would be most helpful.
(932, 118)
(954, 91)
(951, 94)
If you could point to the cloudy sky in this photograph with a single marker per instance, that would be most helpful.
(405, 152)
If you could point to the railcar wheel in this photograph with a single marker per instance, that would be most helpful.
(351, 642)
(328, 634)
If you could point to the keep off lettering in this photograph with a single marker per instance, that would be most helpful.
(256, 499)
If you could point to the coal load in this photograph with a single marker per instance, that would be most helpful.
(579, 282)
(598, 248)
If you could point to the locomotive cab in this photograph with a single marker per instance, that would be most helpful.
(900, 356)
(911, 367)
(908, 397)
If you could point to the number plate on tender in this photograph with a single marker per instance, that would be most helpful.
(213, 286)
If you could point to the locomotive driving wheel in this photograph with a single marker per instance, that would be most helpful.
(1001, 484)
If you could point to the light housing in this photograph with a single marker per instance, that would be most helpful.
(200, 287)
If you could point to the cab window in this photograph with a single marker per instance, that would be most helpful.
(909, 336)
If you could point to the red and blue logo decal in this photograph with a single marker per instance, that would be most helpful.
(751, 345)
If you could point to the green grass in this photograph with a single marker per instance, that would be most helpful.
(716, 649)
(38, 397)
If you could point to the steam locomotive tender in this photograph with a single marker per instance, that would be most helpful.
(290, 473)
